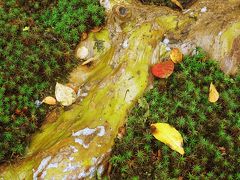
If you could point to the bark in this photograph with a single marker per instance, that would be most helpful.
(76, 142)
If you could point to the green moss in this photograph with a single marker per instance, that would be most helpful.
(68, 19)
(210, 131)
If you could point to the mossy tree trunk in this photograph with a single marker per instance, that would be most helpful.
(76, 142)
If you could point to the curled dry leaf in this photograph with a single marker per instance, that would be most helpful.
(26, 28)
(74, 87)
(121, 132)
(177, 3)
(49, 100)
(96, 29)
(65, 95)
(223, 150)
(88, 61)
(18, 111)
(163, 69)
(213, 94)
(25, 109)
(84, 36)
(168, 135)
(176, 55)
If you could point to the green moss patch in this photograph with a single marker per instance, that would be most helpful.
(211, 131)
(71, 18)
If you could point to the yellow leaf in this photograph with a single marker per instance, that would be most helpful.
(177, 3)
(65, 95)
(168, 135)
(213, 93)
(176, 55)
(49, 100)
(26, 28)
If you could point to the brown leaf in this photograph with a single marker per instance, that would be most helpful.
(177, 3)
(75, 88)
(49, 100)
(180, 178)
(18, 111)
(223, 150)
(121, 132)
(84, 36)
(96, 29)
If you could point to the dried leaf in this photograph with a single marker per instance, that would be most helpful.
(18, 111)
(96, 29)
(176, 55)
(26, 28)
(163, 69)
(213, 93)
(65, 95)
(121, 132)
(49, 100)
(88, 61)
(168, 135)
(84, 36)
(82, 52)
(177, 3)
(74, 87)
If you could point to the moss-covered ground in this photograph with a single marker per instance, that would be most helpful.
(211, 131)
(36, 50)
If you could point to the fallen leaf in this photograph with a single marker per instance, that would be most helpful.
(176, 55)
(26, 28)
(49, 100)
(65, 95)
(213, 93)
(96, 29)
(177, 3)
(84, 36)
(223, 150)
(121, 132)
(25, 109)
(180, 178)
(168, 135)
(88, 61)
(82, 52)
(18, 111)
(163, 69)
(74, 87)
